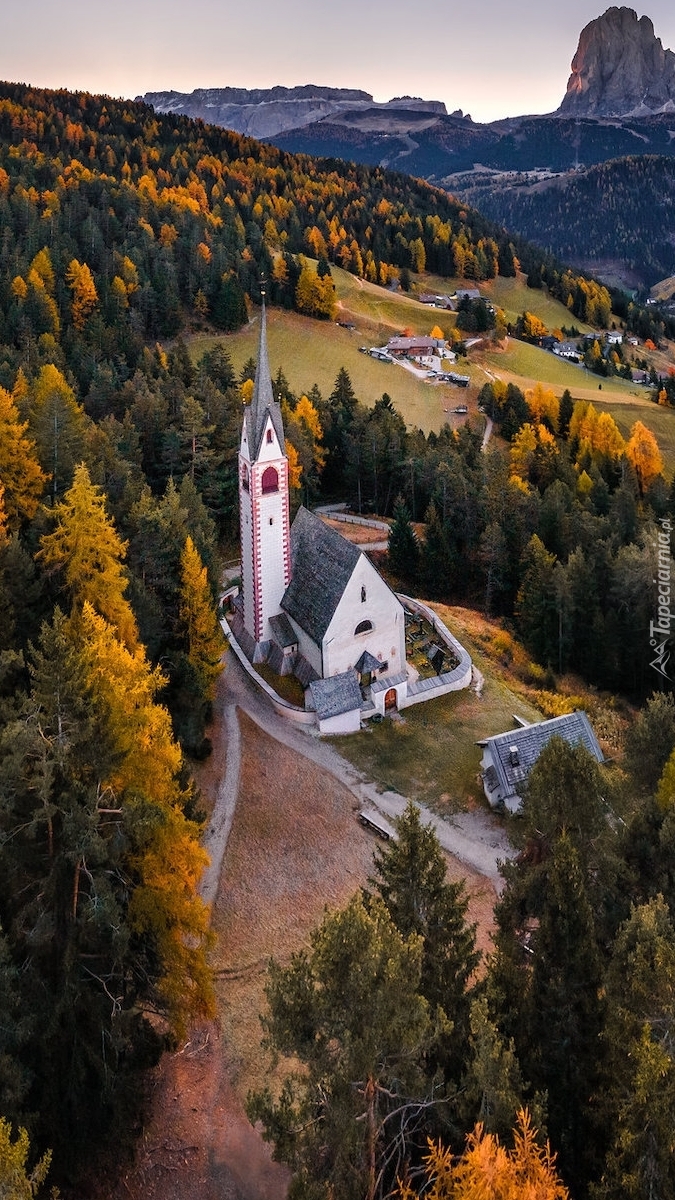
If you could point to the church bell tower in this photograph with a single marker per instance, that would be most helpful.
(264, 523)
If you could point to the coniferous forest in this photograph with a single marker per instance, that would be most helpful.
(118, 492)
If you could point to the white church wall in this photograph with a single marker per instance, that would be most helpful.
(272, 550)
(379, 698)
(349, 722)
(246, 532)
(342, 647)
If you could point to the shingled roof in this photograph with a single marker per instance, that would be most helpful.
(515, 753)
(322, 563)
(262, 401)
(336, 695)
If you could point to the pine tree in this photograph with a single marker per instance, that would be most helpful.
(637, 1098)
(403, 547)
(492, 1091)
(350, 1011)
(561, 1056)
(565, 413)
(536, 611)
(409, 877)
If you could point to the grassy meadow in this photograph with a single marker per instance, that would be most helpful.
(431, 754)
(526, 365)
(312, 352)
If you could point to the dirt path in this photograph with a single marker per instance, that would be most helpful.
(218, 829)
(284, 843)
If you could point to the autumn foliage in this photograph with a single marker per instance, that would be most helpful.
(489, 1171)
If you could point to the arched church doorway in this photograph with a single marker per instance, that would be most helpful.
(390, 700)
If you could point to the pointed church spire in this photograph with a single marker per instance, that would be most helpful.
(263, 401)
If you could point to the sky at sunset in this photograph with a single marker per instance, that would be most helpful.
(487, 58)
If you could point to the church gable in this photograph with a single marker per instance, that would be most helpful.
(269, 442)
(368, 623)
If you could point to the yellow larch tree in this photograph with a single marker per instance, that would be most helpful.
(488, 1171)
(42, 265)
(582, 421)
(543, 402)
(198, 619)
(17, 1182)
(20, 472)
(3, 518)
(307, 417)
(607, 440)
(294, 467)
(87, 548)
(523, 448)
(166, 859)
(85, 297)
(533, 327)
(642, 452)
(58, 424)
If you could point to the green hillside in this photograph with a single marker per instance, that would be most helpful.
(311, 352)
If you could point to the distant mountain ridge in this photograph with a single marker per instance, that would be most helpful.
(620, 70)
(266, 112)
(619, 105)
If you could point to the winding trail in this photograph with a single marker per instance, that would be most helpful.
(218, 831)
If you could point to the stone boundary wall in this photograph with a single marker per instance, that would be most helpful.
(284, 709)
(452, 681)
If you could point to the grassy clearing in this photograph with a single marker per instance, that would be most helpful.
(432, 756)
(286, 686)
(386, 313)
(661, 421)
(515, 297)
(526, 365)
(312, 352)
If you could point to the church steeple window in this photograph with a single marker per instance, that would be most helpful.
(270, 481)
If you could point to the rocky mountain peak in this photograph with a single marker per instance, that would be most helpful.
(620, 68)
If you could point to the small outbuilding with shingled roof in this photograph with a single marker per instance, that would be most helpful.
(509, 757)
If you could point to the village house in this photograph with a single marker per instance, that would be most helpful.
(434, 300)
(568, 350)
(509, 757)
(416, 346)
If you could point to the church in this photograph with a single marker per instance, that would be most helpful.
(311, 603)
